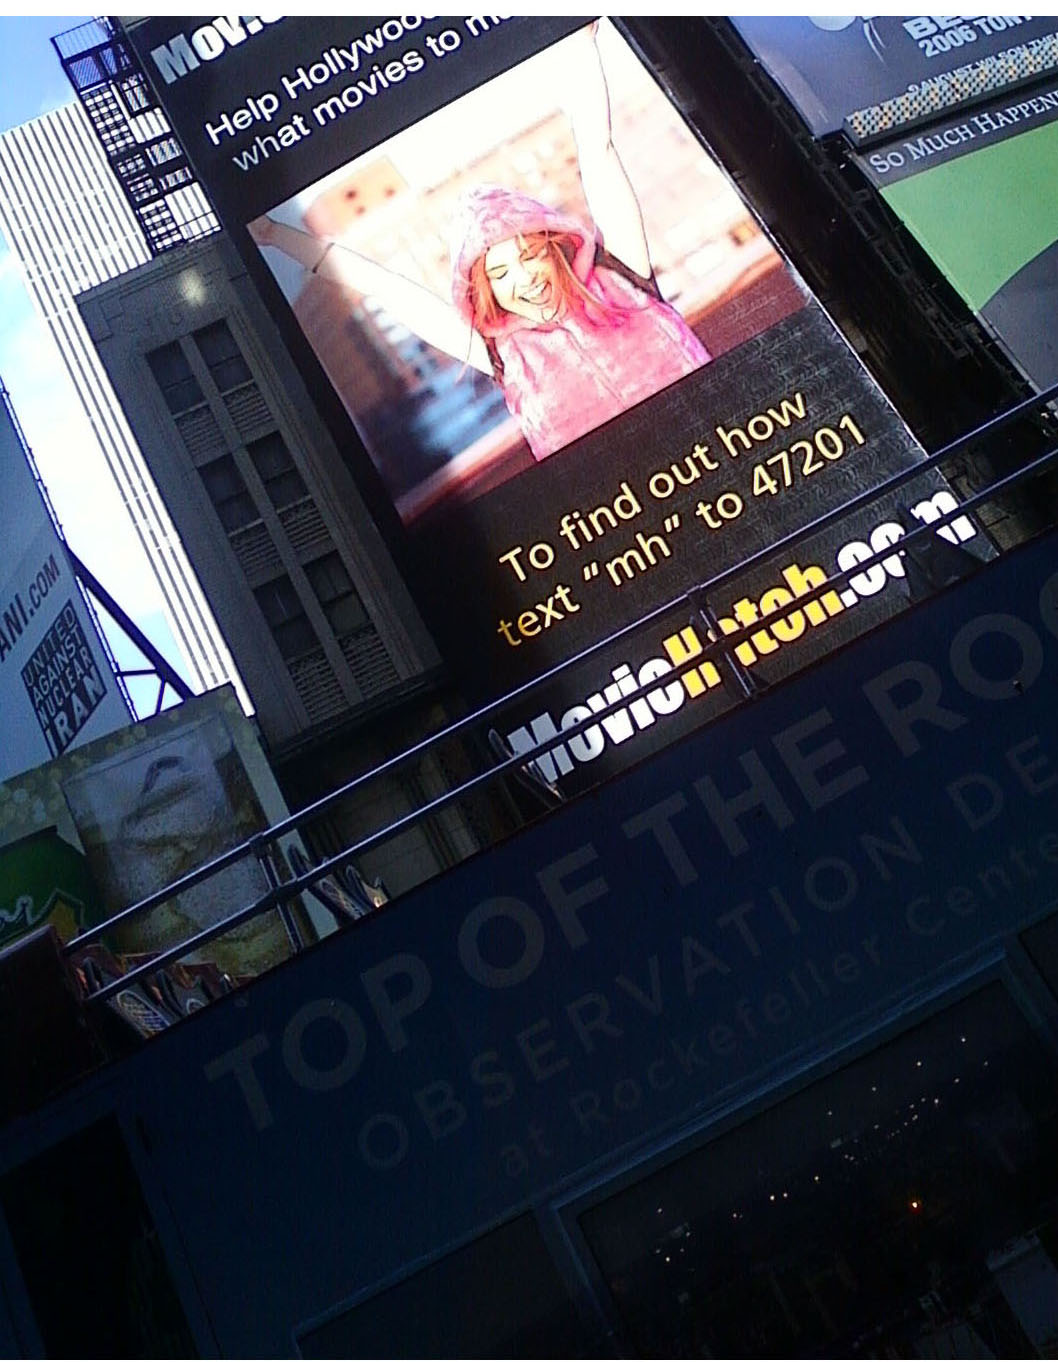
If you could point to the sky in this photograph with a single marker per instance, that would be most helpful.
(87, 504)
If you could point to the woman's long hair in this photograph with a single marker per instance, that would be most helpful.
(572, 296)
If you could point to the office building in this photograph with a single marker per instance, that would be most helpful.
(69, 228)
(314, 610)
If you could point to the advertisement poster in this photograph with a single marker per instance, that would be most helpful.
(57, 687)
(143, 806)
(882, 71)
(43, 878)
(979, 193)
(556, 336)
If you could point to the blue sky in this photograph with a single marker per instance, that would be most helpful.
(95, 523)
(33, 81)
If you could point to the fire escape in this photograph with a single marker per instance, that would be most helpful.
(145, 156)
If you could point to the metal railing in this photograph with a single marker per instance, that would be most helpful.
(693, 603)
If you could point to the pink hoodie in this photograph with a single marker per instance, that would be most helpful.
(564, 378)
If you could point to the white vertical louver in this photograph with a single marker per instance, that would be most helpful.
(70, 228)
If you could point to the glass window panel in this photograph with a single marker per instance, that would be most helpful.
(222, 355)
(270, 455)
(278, 599)
(174, 377)
(228, 493)
(282, 481)
(336, 593)
(114, 1297)
(168, 149)
(904, 1206)
(295, 637)
(1041, 942)
(137, 96)
(286, 618)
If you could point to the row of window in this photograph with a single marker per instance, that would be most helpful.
(285, 613)
(232, 498)
(173, 373)
(233, 501)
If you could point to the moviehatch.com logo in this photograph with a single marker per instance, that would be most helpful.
(684, 673)
(687, 674)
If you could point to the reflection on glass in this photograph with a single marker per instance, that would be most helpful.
(905, 1206)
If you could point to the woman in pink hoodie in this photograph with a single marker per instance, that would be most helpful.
(565, 315)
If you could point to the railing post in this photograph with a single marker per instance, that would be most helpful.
(261, 846)
(732, 670)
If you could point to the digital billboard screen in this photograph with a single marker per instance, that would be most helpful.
(551, 330)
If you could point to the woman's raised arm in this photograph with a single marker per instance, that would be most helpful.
(607, 188)
(418, 308)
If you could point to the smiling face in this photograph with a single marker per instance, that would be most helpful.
(522, 275)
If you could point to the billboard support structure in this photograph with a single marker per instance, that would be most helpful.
(98, 595)
(168, 676)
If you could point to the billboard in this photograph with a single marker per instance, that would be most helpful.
(549, 333)
(43, 878)
(850, 848)
(144, 806)
(57, 687)
(978, 191)
(880, 71)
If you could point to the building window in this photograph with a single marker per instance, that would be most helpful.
(282, 481)
(142, 188)
(335, 592)
(228, 493)
(172, 373)
(168, 149)
(175, 178)
(286, 617)
(223, 357)
(903, 1206)
(522, 1307)
(137, 96)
